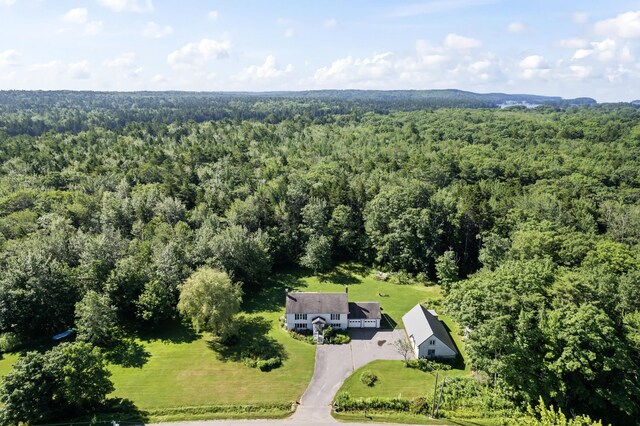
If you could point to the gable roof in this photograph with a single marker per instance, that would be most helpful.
(420, 323)
(364, 310)
(317, 303)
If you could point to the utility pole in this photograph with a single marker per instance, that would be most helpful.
(435, 390)
(440, 397)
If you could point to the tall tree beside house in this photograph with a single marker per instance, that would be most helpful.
(211, 300)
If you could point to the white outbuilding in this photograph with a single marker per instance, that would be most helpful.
(427, 334)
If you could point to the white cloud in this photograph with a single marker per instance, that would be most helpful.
(455, 41)
(197, 53)
(158, 78)
(625, 25)
(153, 30)
(533, 62)
(534, 66)
(268, 70)
(581, 54)
(46, 66)
(360, 70)
(213, 15)
(580, 17)
(330, 23)
(79, 70)
(123, 61)
(93, 28)
(289, 33)
(573, 43)
(516, 27)
(7, 3)
(128, 5)
(606, 50)
(10, 58)
(480, 66)
(580, 71)
(78, 15)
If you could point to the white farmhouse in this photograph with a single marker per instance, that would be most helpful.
(428, 336)
(314, 311)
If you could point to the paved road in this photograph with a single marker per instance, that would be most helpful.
(334, 363)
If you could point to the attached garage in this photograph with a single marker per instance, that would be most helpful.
(371, 323)
(364, 315)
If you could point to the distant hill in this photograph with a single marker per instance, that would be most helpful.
(438, 98)
(76, 111)
(636, 102)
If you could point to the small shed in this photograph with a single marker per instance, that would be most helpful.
(427, 334)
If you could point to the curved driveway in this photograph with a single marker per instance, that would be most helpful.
(334, 363)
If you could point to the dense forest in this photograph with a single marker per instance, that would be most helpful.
(528, 218)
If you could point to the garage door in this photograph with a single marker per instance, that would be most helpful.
(370, 323)
(355, 323)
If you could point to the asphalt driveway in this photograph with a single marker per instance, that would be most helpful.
(334, 363)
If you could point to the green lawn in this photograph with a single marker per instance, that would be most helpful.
(394, 379)
(194, 374)
(178, 369)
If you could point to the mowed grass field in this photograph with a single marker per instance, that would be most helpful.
(394, 379)
(181, 369)
(193, 374)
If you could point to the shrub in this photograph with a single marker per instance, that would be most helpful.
(344, 402)
(269, 364)
(420, 405)
(303, 336)
(424, 364)
(368, 378)
(336, 337)
(9, 341)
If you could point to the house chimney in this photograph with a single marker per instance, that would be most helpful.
(346, 289)
(286, 291)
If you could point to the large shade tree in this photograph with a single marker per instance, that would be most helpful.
(210, 300)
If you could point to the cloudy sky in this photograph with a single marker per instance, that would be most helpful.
(553, 47)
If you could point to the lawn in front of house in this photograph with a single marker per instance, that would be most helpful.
(196, 372)
(175, 369)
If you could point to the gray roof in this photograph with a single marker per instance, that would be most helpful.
(420, 323)
(317, 303)
(364, 310)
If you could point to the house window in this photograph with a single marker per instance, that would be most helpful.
(432, 342)
(301, 325)
(335, 317)
(431, 353)
(336, 326)
(301, 316)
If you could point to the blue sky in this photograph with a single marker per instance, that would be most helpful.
(562, 47)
